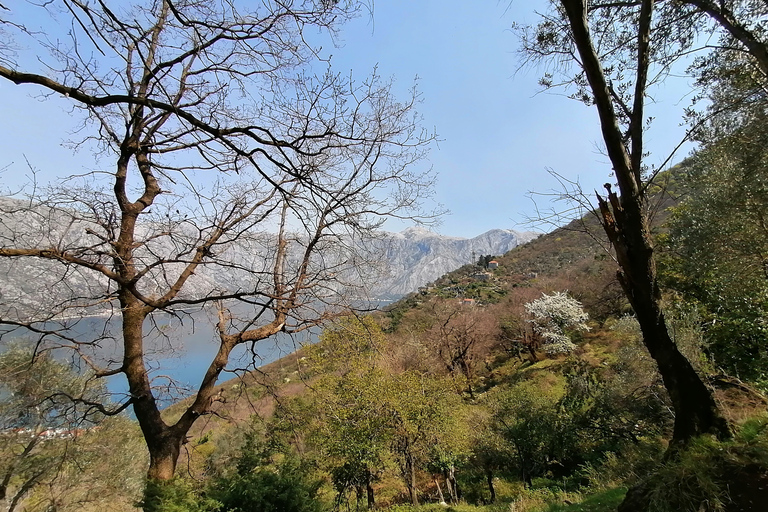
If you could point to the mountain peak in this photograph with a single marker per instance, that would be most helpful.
(418, 232)
(418, 256)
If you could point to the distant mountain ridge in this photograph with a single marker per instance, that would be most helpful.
(417, 256)
(413, 257)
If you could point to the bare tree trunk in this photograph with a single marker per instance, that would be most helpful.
(491, 488)
(439, 490)
(451, 484)
(410, 468)
(164, 447)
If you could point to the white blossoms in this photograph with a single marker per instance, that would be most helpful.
(552, 315)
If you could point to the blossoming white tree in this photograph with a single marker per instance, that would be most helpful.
(552, 315)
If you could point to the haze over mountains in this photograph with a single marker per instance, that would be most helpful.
(413, 257)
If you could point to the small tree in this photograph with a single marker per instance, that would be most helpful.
(47, 438)
(458, 339)
(354, 431)
(264, 481)
(553, 316)
(525, 416)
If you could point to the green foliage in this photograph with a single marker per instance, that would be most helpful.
(610, 406)
(51, 453)
(484, 260)
(526, 417)
(285, 487)
(398, 310)
(38, 391)
(703, 476)
(175, 495)
(355, 430)
(263, 481)
(717, 244)
(605, 501)
(622, 467)
(347, 340)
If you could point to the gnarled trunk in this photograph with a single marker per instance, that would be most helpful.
(625, 221)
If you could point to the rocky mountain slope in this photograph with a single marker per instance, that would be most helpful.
(418, 256)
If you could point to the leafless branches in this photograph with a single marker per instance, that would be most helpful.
(307, 165)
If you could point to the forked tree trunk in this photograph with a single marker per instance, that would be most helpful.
(163, 442)
(625, 221)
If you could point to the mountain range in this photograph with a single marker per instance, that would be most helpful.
(411, 258)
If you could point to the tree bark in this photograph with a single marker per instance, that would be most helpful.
(727, 19)
(453, 485)
(410, 468)
(439, 490)
(369, 491)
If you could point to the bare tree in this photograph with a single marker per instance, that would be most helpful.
(458, 338)
(307, 166)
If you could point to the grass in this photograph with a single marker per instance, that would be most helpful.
(605, 501)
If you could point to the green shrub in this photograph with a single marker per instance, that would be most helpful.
(700, 477)
(284, 487)
(605, 501)
(176, 495)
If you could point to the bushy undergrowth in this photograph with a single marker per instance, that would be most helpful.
(701, 478)
(176, 495)
(605, 501)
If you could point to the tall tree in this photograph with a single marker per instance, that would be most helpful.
(617, 82)
(306, 167)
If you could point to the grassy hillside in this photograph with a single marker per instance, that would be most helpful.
(455, 394)
(590, 421)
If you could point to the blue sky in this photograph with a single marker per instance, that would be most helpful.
(499, 133)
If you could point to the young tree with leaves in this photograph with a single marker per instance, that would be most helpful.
(52, 439)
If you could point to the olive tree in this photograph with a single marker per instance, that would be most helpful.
(54, 449)
(613, 54)
(229, 175)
